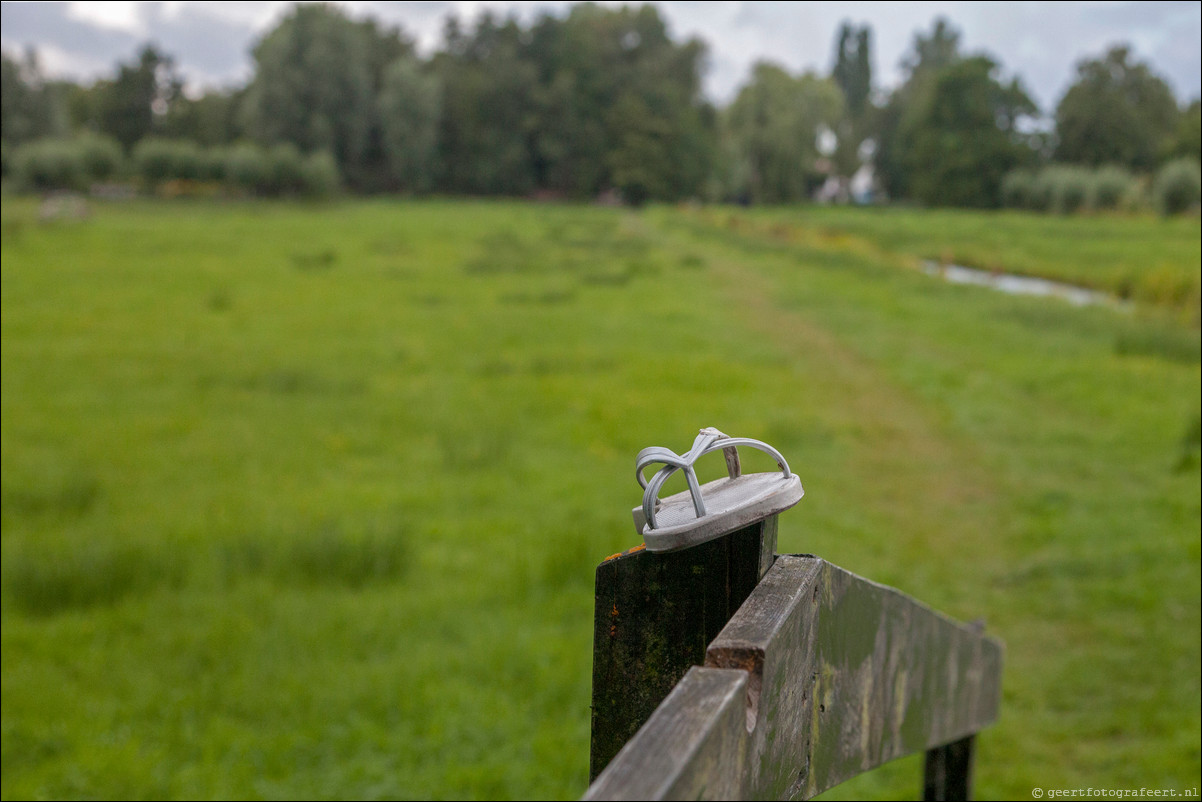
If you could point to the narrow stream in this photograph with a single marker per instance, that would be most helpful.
(1019, 285)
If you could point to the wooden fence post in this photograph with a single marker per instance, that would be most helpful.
(654, 616)
(948, 772)
(819, 676)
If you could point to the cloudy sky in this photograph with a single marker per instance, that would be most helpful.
(1039, 41)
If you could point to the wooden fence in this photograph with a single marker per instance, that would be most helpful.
(726, 671)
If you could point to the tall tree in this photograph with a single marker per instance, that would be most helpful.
(601, 98)
(1117, 112)
(894, 123)
(1187, 141)
(209, 120)
(29, 106)
(675, 137)
(131, 106)
(410, 110)
(853, 67)
(773, 127)
(853, 73)
(965, 135)
(316, 84)
(933, 52)
(619, 105)
(488, 88)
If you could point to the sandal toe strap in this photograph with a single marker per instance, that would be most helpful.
(708, 440)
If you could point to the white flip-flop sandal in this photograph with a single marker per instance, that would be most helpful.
(704, 512)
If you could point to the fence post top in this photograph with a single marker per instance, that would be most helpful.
(705, 512)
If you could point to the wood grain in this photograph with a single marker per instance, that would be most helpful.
(654, 615)
(840, 675)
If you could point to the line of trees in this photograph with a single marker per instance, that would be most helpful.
(596, 100)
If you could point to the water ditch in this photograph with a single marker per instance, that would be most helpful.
(1021, 285)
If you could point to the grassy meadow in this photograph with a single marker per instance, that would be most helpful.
(1150, 260)
(305, 501)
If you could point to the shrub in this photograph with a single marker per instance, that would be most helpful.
(1018, 189)
(1067, 188)
(285, 170)
(48, 164)
(320, 177)
(1136, 198)
(246, 168)
(100, 156)
(158, 160)
(212, 164)
(1110, 186)
(1177, 186)
(1040, 198)
(154, 160)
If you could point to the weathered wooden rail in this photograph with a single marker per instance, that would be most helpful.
(726, 671)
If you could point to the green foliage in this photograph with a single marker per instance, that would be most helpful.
(1177, 186)
(129, 107)
(210, 120)
(1111, 188)
(316, 83)
(772, 128)
(319, 175)
(894, 126)
(853, 73)
(48, 164)
(1187, 141)
(213, 163)
(1066, 187)
(246, 168)
(601, 100)
(30, 107)
(931, 53)
(281, 170)
(963, 136)
(410, 110)
(642, 149)
(1019, 189)
(285, 170)
(159, 160)
(1117, 112)
(488, 97)
(853, 67)
(100, 156)
(597, 100)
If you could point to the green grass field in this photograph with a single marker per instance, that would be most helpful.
(306, 501)
(1147, 259)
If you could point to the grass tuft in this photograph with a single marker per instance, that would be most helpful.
(1164, 340)
(70, 496)
(45, 582)
(315, 260)
(331, 554)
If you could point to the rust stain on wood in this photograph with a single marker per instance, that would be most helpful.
(631, 550)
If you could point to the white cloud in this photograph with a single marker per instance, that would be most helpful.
(117, 16)
(56, 61)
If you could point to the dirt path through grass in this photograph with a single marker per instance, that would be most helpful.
(935, 495)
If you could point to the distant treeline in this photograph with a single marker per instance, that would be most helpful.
(601, 101)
